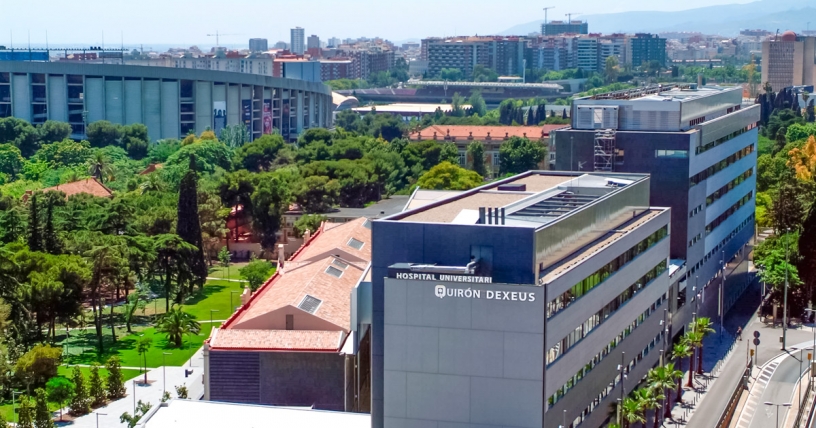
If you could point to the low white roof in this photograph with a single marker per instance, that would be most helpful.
(204, 414)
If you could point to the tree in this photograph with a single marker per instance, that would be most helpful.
(80, 402)
(51, 241)
(787, 210)
(661, 379)
(611, 69)
(803, 160)
(701, 325)
(477, 104)
(53, 130)
(806, 264)
(682, 350)
(518, 155)
(451, 74)
(310, 222)
(317, 194)
(177, 323)
(234, 136)
(97, 388)
(38, 365)
(103, 133)
(100, 167)
(135, 300)
(11, 160)
(188, 227)
(447, 176)
(649, 399)
(224, 257)
(260, 154)
(256, 273)
(25, 413)
(141, 410)
(632, 411)
(20, 133)
(476, 153)
(142, 346)
(34, 238)
(695, 340)
(42, 416)
(182, 392)
(60, 391)
(116, 382)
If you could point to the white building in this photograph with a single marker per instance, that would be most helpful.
(298, 41)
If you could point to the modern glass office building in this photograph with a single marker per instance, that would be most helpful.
(171, 102)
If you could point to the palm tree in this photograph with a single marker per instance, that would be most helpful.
(695, 339)
(659, 381)
(682, 350)
(702, 325)
(100, 167)
(649, 399)
(142, 346)
(176, 323)
(631, 411)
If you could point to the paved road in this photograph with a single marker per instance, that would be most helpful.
(780, 381)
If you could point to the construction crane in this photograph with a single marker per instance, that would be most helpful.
(545, 12)
(217, 35)
(569, 16)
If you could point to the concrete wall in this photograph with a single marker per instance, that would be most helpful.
(278, 378)
(276, 320)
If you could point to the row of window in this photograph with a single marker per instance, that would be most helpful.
(718, 141)
(717, 248)
(697, 210)
(679, 154)
(562, 391)
(719, 166)
(587, 284)
(602, 315)
(695, 240)
(719, 193)
(609, 388)
(724, 216)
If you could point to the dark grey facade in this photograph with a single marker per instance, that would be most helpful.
(278, 378)
(171, 102)
(473, 360)
(699, 148)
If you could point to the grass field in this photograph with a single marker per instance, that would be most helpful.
(226, 273)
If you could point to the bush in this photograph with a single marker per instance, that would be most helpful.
(256, 272)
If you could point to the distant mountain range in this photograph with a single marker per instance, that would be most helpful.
(725, 20)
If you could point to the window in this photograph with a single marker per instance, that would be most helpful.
(333, 271)
(339, 263)
(679, 154)
(356, 244)
(310, 304)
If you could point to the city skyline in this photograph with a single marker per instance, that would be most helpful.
(111, 28)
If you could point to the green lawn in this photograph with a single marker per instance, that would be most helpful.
(230, 273)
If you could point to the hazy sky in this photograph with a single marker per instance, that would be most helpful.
(185, 22)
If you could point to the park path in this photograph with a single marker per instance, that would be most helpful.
(213, 278)
(190, 375)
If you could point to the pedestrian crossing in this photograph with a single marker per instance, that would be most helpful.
(753, 404)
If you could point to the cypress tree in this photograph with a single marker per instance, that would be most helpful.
(476, 151)
(98, 393)
(116, 383)
(80, 403)
(25, 413)
(189, 225)
(42, 416)
(50, 239)
(34, 238)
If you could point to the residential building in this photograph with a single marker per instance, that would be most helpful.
(291, 343)
(313, 42)
(587, 53)
(333, 42)
(258, 45)
(300, 69)
(513, 304)
(171, 102)
(788, 60)
(282, 45)
(554, 28)
(334, 69)
(504, 55)
(699, 146)
(297, 41)
(647, 48)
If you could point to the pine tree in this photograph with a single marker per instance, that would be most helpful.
(116, 383)
(25, 413)
(50, 239)
(80, 403)
(98, 393)
(3, 422)
(34, 238)
(189, 225)
(42, 416)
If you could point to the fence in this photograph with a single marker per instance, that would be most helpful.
(806, 405)
(730, 409)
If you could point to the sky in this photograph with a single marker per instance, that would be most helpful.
(186, 22)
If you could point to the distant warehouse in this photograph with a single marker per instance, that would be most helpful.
(171, 102)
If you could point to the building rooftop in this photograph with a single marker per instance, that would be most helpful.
(482, 133)
(193, 413)
(316, 280)
(679, 93)
(407, 108)
(532, 199)
(383, 208)
(88, 186)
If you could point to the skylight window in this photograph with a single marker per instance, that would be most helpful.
(333, 271)
(357, 245)
(310, 304)
(339, 263)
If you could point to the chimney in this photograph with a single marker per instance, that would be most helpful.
(434, 136)
(307, 235)
(245, 295)
(699, 80)
(281, 257)
(489, 215)
(481, 215)
(502, 216)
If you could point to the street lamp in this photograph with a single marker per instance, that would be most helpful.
(134, 397)
(164, 375)
(211, 317)
(232, 308)
(785, 298)
(722, 295)
(97, 418)
(768, 403)
(14, 394)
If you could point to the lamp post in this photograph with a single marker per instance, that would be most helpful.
(13, 395)
(768, 403)
(97, 418)
(211, 317)
(785, 298)
(722, 295)
(164, 375)
(665, 324)
(134, 397)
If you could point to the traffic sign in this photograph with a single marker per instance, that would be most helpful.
(756, 334)
(756, 341)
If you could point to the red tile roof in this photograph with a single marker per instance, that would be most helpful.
(481, 133)
(305, 273)
(90, 186)
(277, 340)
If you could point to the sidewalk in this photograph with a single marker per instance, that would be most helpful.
(151, 393)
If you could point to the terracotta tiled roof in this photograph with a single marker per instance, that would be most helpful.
(307, 273)
(89, 186)
(480, 133)
(278, 340)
